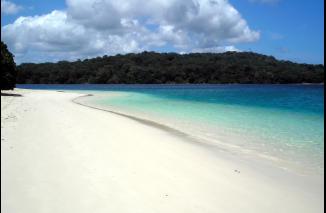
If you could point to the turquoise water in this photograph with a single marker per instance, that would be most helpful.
(280, 123)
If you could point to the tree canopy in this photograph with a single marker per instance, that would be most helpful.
(8, 69)
(162, 68)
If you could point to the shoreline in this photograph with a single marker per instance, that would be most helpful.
(84, 156)
(265, 160)
(178, 133)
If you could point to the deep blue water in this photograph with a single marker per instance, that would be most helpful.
(305, 98)
(280, 122)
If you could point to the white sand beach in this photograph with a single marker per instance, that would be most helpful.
(61, 157)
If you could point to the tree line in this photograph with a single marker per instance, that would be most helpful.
(8, 69)
(163, 68)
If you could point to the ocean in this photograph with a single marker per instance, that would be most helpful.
(283, 124)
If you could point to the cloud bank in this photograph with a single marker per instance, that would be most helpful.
(89, 28)
(9, 8)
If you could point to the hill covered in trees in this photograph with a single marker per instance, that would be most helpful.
(161, 68)
(8, 69)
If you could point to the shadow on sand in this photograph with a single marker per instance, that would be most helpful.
(11, 94)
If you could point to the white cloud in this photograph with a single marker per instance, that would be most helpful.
(52, 34)
(88, 28)
(9, 8)
(219, 49)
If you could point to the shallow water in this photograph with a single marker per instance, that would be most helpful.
(281, 123)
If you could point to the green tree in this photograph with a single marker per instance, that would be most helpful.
(8, 69)
(162, 68)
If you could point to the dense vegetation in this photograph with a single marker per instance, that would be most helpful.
(8, 69)
(160, 68)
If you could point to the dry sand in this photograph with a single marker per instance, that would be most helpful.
(58, 156)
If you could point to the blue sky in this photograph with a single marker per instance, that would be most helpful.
(289, 29)
(67, 30)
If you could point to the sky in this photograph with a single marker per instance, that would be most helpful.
(54, 30)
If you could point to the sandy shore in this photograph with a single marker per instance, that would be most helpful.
(58, 156)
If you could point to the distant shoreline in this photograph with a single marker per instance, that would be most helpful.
(191, 84)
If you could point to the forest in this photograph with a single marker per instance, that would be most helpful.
(8, 69)
(172, 68)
